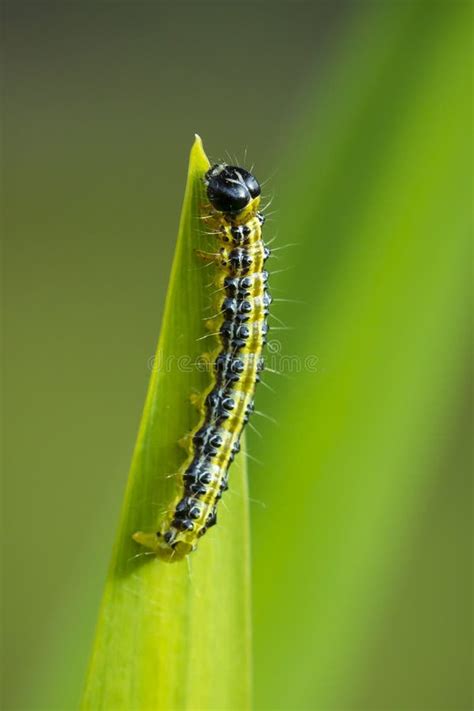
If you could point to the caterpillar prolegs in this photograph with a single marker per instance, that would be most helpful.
(235, 219)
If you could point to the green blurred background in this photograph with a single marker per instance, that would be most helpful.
(360, 115)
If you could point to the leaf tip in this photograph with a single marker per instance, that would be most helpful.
(198, 155)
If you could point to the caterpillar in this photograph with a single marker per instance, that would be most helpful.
(236, 221)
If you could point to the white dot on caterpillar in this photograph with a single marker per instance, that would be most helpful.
(237, 182)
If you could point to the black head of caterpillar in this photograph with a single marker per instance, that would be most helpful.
(230, 188)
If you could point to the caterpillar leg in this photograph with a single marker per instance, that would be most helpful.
(156, 542)
(197, 399)
(186, 443)
(149, 540)
(211, 324)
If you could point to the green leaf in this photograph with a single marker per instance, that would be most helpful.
(175, 635)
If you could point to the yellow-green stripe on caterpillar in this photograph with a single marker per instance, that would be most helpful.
(234, 197)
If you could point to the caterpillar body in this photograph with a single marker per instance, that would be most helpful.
(235, 219)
